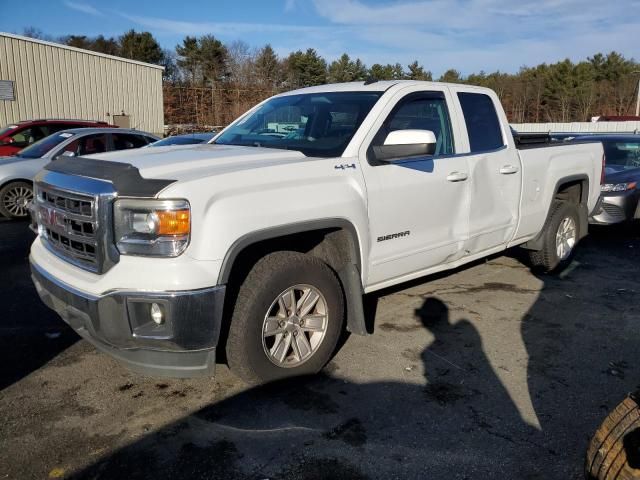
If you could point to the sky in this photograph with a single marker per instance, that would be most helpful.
(468, 35)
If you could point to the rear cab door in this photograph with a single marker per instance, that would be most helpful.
(418, 207)
(495, 170)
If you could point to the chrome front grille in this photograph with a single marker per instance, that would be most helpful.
(68, 222)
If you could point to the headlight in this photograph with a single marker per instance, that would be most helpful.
(158, 228)
(618, 187)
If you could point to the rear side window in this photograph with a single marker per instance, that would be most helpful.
(91, 144)
(482, 121)
(125, 141)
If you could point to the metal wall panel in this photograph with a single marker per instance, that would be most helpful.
(54, 81)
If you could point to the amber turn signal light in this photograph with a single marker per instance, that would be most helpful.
(173, 222)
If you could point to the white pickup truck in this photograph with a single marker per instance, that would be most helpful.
(257, 249)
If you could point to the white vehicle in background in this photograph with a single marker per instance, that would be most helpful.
(17, 172)
(261, 244)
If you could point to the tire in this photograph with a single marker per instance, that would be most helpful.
(256, 358)
(14, 198)
(549, 259)
(614, 451)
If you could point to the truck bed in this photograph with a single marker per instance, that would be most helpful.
(526, 141)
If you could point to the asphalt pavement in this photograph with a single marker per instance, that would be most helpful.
(490, 371)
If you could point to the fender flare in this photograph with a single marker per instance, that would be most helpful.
(350, 274)
(536, 243)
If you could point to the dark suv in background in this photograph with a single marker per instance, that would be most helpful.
(16, 136)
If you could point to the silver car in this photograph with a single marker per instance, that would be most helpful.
(620, 199)
(17, 172)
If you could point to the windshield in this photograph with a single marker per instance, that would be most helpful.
(186, 140)
(316, 124)
(6, 129)
(41, 148)
(622, 155)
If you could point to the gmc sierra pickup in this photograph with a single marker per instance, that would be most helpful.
(257, 249)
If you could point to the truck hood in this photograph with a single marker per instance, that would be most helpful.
(186, 162)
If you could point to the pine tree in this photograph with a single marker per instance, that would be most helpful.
(140, 46)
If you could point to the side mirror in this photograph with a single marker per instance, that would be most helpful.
(404, 144)
(68, 153)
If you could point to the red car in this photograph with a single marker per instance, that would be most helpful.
(17, 136)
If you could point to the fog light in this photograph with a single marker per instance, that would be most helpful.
(156, 314)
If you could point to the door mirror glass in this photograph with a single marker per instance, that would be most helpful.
(404, 144)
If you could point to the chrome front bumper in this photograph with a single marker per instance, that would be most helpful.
(119, 323)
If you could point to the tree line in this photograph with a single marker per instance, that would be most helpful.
(604, 84)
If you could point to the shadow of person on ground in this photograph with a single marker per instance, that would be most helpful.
(30, 333)
(461, 424)
(582, 338)
(470, 377)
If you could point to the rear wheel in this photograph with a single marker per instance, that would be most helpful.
(560, 237)
(287, 318)
(614, 451)
(15, 198)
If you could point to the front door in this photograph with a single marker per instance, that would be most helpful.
(419, 207)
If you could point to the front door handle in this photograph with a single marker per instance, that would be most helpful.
(457, 177)
(508, 170)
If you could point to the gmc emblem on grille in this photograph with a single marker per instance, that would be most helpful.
(51, 217)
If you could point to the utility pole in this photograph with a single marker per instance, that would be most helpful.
(638, 99)
(637, 72)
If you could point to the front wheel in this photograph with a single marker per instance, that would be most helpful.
(287, 318)
(560, 238)
(15, 198)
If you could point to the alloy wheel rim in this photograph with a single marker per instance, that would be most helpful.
(295, 326)
(16, 201)
(566, 238)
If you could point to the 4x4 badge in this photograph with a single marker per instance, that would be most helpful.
(343, 166)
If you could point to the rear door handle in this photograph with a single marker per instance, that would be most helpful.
(508, 170)
(457, 177)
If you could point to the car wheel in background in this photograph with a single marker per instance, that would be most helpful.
(287, 318)
(560, 238)
(15, 198)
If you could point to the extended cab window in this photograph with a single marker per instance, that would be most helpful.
(421, 111)
(483, 125)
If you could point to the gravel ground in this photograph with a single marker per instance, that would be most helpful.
(487, 372)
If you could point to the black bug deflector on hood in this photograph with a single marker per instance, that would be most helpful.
(125, 178)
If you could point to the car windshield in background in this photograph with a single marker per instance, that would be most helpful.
(183, 140)
(41, 148)
(316, 124)
(622, 155)
(8, 128)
